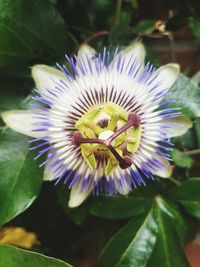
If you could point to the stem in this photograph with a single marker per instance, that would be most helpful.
(118, 12)
(191, 152)
(174, 180)
(192, 61)
(94, 36)
(170, 38)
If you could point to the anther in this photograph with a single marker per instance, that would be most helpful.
(78, 139)
(125, 163)
(133, 120)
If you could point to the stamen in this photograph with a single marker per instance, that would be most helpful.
(133, 120)
(78, 139)
(124, 162)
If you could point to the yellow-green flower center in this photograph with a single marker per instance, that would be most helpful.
(110, 132)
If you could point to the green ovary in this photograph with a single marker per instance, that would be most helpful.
(101, 123)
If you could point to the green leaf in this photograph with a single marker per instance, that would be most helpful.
(196, 78)
(197, 130)
(144, 27)
(134, 3)
(31, 31)
(187, 96)
(118, 207)
(175, 216)
(181, 160)
(15, 257)
(21, 177)
(132, 245)
(152, 239)
(168, 251)
(194, 24)
(187, 194)
(188, 140)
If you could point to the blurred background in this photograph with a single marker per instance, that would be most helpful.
(43, 32)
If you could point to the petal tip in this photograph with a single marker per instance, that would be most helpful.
(8, 116)
(178, 126)
(136, 48)
(174, 67)
(168, 74)
(21, 121)
(77, 197)
(86, 49)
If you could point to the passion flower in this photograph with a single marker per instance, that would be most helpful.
(102, 121)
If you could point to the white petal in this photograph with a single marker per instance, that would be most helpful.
(167, 74)
(125, 188)
(86, 53)
(84, 50)
(137, 50)
(21, 121)
(178, 126)
(45, 77)
(48, 173)
(163, 172)
(77, 197)
(133, 53)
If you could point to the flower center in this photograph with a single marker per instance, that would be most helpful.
(105, 135)
(115, 142)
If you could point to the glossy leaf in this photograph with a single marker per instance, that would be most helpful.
(147, 240)
(168, 251)
(172, 211)
(132, 245)
(197, 130)
(181, 160)
(21, 177)
(187, 194)
(30, 30)
(117, 207)
(186, 94)
(15, 257)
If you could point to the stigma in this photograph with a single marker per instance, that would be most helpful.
(114, 141)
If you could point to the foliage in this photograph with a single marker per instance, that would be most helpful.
(15, 257)
(153, 223)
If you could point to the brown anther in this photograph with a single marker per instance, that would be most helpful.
(134, 118)
(126, 163)
(77, 138)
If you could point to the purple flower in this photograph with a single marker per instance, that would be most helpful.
(102, 121)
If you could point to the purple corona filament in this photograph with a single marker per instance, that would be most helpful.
(94, 82)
